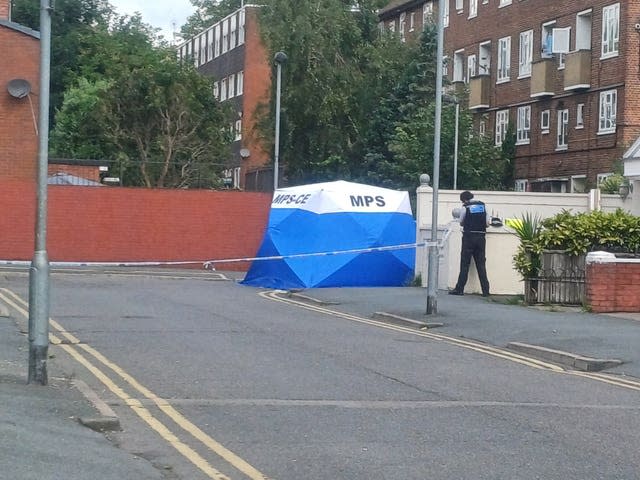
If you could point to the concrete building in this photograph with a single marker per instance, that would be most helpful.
(19, 68)
(562, 75)
(232, 53)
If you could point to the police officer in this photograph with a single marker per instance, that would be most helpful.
(474, 219)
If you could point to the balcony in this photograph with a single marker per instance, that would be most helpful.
(577, 71)
(542, 78)
(479, 92)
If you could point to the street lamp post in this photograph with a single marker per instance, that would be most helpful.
(39, 269)
(432, 273)
(280, 59)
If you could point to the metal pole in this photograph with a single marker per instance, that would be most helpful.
(277, 140)
(455, 148)
(39, 270)
(432, 279)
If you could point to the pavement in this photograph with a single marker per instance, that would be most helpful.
(44, 433)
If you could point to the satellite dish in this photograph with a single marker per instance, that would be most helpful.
(245, 153)
(19, 88)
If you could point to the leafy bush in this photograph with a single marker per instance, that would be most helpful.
(575, 234)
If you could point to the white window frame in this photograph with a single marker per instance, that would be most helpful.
(562, 142)
(233, 32)
(459, 6)
(526, 54)
(412, 21)
(401, 26)
(472, 67)
(502, 124)
(546, 39)
(504, 60)
(216, 90)
(231, 86)
(523, 125)
(225, 36)
(484, 63)
(607, 112)
(216, 41)
(427, 14)
(458, 66)
(240, 83)
(578, 179)
(237, 128)
(610, 31)
(241, 27)
(473, 8)
(446, 13)
(504, 3)
(223, 89)
(392, 26)
(482, 128)
(580, 116)
(520, 185)
(545, 121)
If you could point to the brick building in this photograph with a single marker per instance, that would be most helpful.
(232, 53)
(20, 60)
(563, 75)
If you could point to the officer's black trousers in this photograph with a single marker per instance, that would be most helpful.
(473, 245)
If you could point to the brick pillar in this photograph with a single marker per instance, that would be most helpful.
(5, 9)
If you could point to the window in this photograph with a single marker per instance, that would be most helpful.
(225, 36)
(216, 90)
(427, 14)
(580, 116)
(578, 184)
(563, 126)
(445, 66)
(502, 122)
(484, 63)
(601, 177)
(232, 86)
(583, 30)
(473, 8)
(240, 82)
(241, 22)
(610, 30)
(216, 40)
(482, 128)
(504, 59)
(521, 185)
(472, 67)
(401, 26)
(547, 40)
(608, 102)
(545, 120)
(504, 3)
(223, 89)
(458, 66)
(392, 26)
(236, 177)
(238, 130)
(523, 125)
(459, 5)
(526, 54)
(446, 13)
(412, 21)
(233, 32)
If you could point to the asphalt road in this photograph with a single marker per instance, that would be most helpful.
(214, 380)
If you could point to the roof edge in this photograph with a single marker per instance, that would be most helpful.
(20, 28)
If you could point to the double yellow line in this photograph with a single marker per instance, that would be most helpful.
(280, 296)
(77, 350)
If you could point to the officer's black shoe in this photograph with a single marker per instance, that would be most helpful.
(486, 294)
(455, 292)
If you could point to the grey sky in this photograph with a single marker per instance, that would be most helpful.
(158, 13)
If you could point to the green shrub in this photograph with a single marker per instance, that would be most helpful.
(575, 234)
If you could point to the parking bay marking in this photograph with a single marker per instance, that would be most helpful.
(72, 343)
(276, 295)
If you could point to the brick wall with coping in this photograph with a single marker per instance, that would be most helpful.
(116, 224)
(613, 285)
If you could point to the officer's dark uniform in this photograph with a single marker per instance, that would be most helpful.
(474, 226)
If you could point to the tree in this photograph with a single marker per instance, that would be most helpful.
(157, 118)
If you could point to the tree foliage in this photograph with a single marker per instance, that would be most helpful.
(360, 105)
(158, 119)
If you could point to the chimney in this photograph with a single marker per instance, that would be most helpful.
(5, 9)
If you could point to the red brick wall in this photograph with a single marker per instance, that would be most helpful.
(613, 287)
(5, 9)
(112, 224)
(18, 141)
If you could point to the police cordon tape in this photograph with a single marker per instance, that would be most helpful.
(210, 264)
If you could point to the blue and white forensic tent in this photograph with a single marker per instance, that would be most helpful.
(310, 225)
